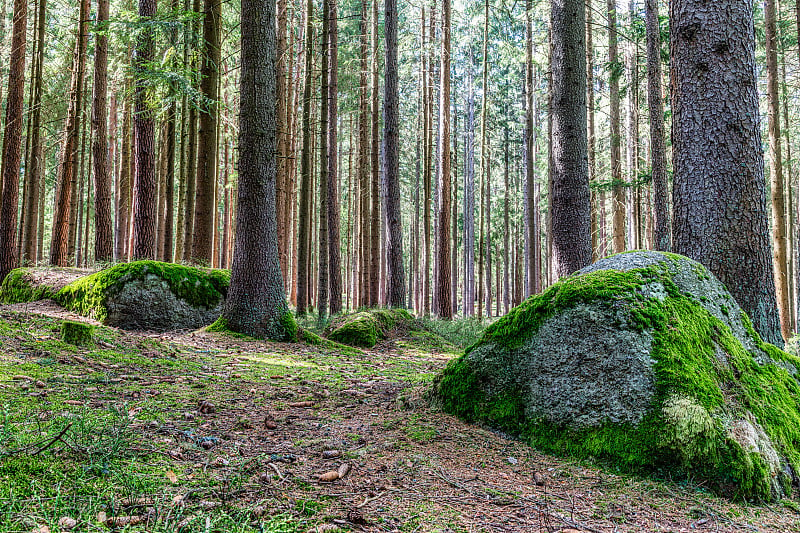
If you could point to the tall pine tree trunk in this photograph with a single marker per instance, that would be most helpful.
(307, 161)
(323, 256)
(658, 154)
(618, 189)
(334, 243)
(443, 301)
(104, 236)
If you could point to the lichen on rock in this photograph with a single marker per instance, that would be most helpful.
(149, 295)
(643, 360)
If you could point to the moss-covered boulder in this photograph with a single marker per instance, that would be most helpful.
(645, 361)
(31, 284)
(149, 295)
(365, 328)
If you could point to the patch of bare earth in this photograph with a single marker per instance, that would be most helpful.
(349, 439)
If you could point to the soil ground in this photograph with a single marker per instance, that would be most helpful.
(202, 432)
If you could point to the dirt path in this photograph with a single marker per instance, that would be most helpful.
(278, 416)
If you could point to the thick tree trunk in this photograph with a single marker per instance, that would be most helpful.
(595, 196)
(103, 236)
(658, 154)
(444, 304)
(12, 140)
(570, 197)
(391, 162)
(284, 160)
(363, 163)
(720, 212)
(530, 164)
(334, 242)
(256, 303)
(144, 183)
(375, 214)
(124, 187)
(323, 254)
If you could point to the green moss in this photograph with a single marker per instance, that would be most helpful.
(17, 288)
(198, 287)
(703, 375)
(76, 333)
(365, 328)
(290, 327)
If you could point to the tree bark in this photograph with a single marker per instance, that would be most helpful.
(307, 161)
(124, 188)
(443, 300)
(658, 154)
(720, 212)
(256, 303)
(334, 242)
(323, 278)
(12, 140)
(469, 195)
(618, 189)
(570, 197)
(104, 235)
(375, 213)
(144, 183)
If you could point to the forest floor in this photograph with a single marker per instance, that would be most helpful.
(203, 432)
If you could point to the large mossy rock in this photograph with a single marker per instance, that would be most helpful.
(149, 295)
(24, 285)
(645, 361)
(365, 328)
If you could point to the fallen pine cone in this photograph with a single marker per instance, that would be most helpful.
(344, 469)
(333, 475)
(206, 407)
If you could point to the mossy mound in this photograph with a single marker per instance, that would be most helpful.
(23, 285)
(149, 295)
(77, 333)
(644, 361)
(365, 328)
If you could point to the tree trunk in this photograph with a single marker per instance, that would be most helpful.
(594, 194)
(144, 183)
(284, 159)
(65, 182)
(469, 195)
(720, 212)
(618, 189)
(391, 162)
(530, 163)
(570, 197)
(658, 154)
(323, 255)
(334, 242)
(444, 303)
(307, 161)
(12, 140)
(124, 188)
(375, 214)
(103, 236)
(363, 164)
(256, 303)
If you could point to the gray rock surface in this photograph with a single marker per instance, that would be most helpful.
(149, 304)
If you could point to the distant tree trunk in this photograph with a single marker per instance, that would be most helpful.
(391, 162)
(144, 184)
(506, 223)
(720, 212)
(570, 197)
(256, 303)
(33, 174)
(482, 246)
(443, 301)
(307, 161)
(777, 186)
(67, 166)
(334, 242)
(207, 144)
(323, 255)
(426, 173)
(632, 146)
(530, 164)
(191, 153)
(103, 236)
(614, 74)
(375, 216)
(597, 213)
(12, 140)
(658, 154)
(363, 164)
(124, 188)
(469, 195)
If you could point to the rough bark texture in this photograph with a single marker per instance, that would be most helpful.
(334, 247)
(282, 182)
(12, 140)
(444, 307)
(596, 212)
(104, 236)
(363, 164)
(777, 186)
(67, 166)
(207, 146)
(124, 187)
(144, 183)
(469, 195)
(530, 165)
(256, 303)
(375, 214)
(720, 211)
(391, 161)
(571, 212)
(324, 152)
(658, 156)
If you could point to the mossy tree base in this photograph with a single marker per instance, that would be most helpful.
(708, 400)
(77, 333)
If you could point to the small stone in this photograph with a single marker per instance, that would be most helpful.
(67, 522)
(538, 479)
